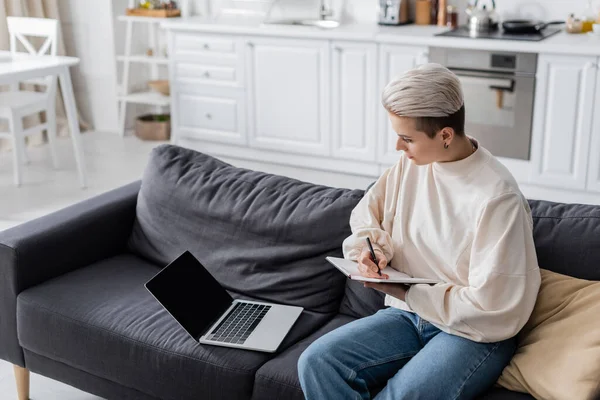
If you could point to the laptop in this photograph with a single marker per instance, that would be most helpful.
(210, 315)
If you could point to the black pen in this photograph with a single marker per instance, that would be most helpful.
(373, 255)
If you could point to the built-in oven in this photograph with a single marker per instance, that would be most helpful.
(498, 89)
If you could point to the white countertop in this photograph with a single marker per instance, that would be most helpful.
(560, 43)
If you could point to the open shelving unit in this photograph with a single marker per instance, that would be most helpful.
(147, 97)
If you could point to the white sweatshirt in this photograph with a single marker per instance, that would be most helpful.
(465, 223)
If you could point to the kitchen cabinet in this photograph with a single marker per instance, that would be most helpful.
(394, 60)
(593, 181)
(562, 124)
(354, 100)
(311, 101)
(214, 115)
(288, 89)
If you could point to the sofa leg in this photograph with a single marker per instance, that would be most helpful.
(22, 378)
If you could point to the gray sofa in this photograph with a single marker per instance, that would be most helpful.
(74, 308)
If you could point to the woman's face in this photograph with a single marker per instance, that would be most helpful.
(417, 146)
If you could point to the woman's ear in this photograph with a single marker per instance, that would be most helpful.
(447, 134)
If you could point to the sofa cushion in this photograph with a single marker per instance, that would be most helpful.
(260, 234)
(100, 319)
(278, 378)
(567, 238)
(562, 335)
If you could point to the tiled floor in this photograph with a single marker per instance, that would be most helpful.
(111, 162)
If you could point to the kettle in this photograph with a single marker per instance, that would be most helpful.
(481, 19)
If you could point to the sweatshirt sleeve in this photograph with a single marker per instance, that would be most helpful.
(371, 218)
(503, 281)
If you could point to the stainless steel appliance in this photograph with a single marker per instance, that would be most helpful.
(481, 19)
(393, 12)
(498, 89)
(466, 32)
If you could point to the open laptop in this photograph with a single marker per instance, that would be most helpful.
(210, 315)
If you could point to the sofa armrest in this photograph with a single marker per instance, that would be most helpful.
(55, 244)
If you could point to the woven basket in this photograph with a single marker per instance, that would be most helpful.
(147, 127)
(160, 86)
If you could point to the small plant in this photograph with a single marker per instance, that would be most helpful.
(156, 118)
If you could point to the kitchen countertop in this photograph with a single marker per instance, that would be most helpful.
(561, 43)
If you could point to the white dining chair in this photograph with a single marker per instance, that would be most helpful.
(16, 104)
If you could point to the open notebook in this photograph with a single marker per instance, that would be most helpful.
(350, 269)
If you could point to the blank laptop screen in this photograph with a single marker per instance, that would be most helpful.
(190, 293)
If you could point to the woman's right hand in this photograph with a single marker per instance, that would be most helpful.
(368, 268)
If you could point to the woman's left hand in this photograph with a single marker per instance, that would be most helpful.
(397, 290)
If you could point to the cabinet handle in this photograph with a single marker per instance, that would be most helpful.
(338, 49)
(206, 46)
(208, 116)
(207, 74)
(250, 44)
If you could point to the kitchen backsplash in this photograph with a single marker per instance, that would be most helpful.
(365, 10)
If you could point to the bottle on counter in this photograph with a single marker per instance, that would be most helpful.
(452, 17)
(434, 12)
(589, 18)
(574, 25)
(442, 7)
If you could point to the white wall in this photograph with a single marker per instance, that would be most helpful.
(87, 31)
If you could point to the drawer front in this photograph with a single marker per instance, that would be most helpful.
(211, 117)
(207, 74)
(204, 44)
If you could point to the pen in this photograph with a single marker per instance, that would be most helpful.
(373, 255)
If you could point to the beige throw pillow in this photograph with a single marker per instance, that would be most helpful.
(559, 348)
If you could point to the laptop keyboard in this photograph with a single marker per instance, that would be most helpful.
(239, 324)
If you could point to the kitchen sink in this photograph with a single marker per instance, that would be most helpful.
(319, 23)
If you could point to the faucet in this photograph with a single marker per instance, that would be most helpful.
(324, 12)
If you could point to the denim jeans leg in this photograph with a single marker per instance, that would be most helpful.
(347, 362)
(449, 367)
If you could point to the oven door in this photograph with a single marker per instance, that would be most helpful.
(499, 110)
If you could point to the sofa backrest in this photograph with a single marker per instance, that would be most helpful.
(567, 238)
(261, 235)
(567, 241)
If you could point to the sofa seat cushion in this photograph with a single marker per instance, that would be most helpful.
(278, 378)
(100, 319)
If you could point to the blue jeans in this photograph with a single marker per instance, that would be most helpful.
(406, 355)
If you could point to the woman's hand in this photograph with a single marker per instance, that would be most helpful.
(397, 290)
(368, 268)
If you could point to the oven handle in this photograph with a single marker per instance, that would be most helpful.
(493, 83)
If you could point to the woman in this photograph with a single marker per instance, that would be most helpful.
(447, 210)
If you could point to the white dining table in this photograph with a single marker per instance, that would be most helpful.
(22, 66)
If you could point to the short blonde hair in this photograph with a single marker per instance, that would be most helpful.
(430, 90)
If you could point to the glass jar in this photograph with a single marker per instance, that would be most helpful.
(574, 25)
(452, 17)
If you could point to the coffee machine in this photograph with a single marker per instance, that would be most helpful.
(393, 12)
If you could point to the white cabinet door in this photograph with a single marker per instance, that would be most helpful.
(288, 95)
(210, 114)
(393, 61)
(354, 102)
(562, 120)
(593, 183)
